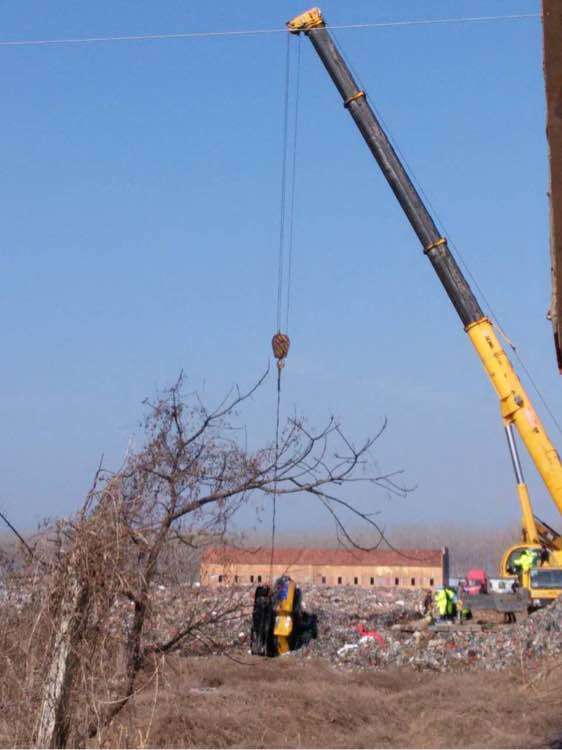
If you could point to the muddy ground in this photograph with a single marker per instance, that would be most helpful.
(285, 703)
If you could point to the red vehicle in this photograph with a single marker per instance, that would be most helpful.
(476, 582)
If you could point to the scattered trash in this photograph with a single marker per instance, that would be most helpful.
(347, 647)
(391, 633)
(358, 629)
(370, 634)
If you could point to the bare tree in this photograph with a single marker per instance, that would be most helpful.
(181, 488)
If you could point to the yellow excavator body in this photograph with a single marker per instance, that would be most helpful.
(284, 606)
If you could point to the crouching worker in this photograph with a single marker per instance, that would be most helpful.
(440, 604)
(451, 595)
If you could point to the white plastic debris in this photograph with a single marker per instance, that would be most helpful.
(347, 647)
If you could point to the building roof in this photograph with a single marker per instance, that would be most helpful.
(310, 556)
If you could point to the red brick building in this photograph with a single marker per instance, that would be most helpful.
(409, 568)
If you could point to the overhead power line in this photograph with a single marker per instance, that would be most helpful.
(255, 32)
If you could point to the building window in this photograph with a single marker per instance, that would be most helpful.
(259, 579)
(220, 579)
(372, 581)
(339, 579)
(251, 579)
(355, 581)
(235, 579)
(431, 581)
(396, 582)
(412, 581)
(323, 579)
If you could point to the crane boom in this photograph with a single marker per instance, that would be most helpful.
(515, 405)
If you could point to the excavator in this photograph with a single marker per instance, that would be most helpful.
(541, 582)
(279, 621)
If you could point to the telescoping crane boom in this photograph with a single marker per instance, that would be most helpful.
(545, 581)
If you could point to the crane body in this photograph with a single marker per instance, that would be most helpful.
(517, 412)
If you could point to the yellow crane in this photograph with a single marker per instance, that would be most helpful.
(543, 580)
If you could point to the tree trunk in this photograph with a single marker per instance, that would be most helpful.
(53, 724)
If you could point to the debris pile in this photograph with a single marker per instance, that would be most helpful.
(360, 630)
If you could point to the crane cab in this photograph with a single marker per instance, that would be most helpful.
(544, 579)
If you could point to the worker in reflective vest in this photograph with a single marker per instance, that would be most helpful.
(451, 602)
(525, 561)
(441, 600)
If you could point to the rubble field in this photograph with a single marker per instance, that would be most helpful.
(362, 629)
(375, 677)
(383, 614)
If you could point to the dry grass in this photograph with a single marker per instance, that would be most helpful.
(215, 702)
(212, 701)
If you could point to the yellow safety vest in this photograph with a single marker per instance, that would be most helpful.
(441, 600)
(525, 561)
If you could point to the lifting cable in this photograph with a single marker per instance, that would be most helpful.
(280, 342)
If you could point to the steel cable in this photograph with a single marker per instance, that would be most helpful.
(256, 32)
(293, 185)
(282, 208)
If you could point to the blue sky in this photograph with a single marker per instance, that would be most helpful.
(140, 192)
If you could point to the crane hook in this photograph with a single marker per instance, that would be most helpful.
(280, 344)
